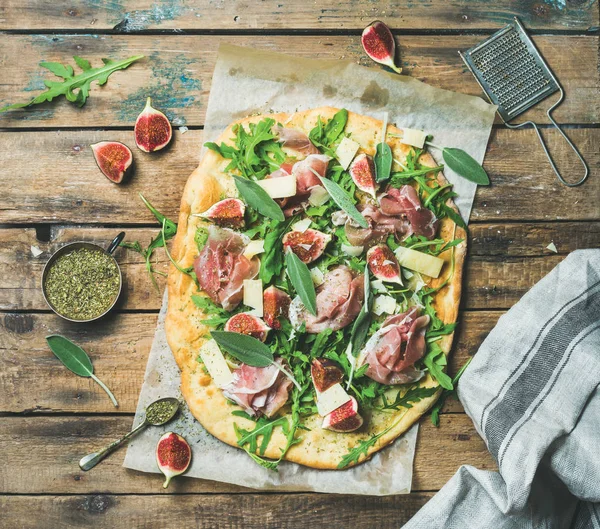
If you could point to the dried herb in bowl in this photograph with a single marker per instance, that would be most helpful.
(82, 284)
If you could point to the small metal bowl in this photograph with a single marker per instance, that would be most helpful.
(90, 246)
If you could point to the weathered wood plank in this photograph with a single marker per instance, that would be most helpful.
(129, 15)
(119, 349)
(57, 181)
(503, 263)
(178, 70)
(52, 446)
(247, 511)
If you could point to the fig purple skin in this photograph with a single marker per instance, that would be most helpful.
(228, 213)
(325, 373)
(344, 419)
(113, 158)
(248, 324)
(276, 304)
(362, 171)
(308, 245)
(378, 43)
(152, 129)
(383, 264)
(173, 456)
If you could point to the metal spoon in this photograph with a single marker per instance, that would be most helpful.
(91, 460)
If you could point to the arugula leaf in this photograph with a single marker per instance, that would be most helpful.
(435, 360)
(71, 83)
(209, 307)
(405, 399)
(256, 152)
(398, 179)
(271, 262)
(200, 237)
(170, 229)
(362, 449)
(324, 136)
(446, 394)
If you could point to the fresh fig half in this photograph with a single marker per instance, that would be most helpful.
(113, 158)
(383, 264)
(276, 304)
(173, 455)
(344, 419)
(249, 324)
(228, 212)
(378, 43)
(325, 373)
(308, 245)
(152, 129)
(362, 171)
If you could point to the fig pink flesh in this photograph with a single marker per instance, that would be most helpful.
(276, 304)
(227, 212)
(308, 245)
(383, 264)
(345, 418)
(173, 455)
(248, 324)
(378, 43)
(113, 159)
(325, 373)
(362, 171)
(152, 129)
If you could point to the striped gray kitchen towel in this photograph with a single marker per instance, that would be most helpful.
(533, 392)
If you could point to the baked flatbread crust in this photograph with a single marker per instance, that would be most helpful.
(186, 333)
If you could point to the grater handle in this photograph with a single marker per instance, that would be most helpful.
(548, 155)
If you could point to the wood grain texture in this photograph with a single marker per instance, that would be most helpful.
(61, 183)
(267, 511)
(130, 15)
(178, 69)
(59, 442)
(119, 348)
(503, 263)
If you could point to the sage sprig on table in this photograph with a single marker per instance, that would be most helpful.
(463, 164)
(257, 198)
(70, 83)
(301, 281)
(75, 359)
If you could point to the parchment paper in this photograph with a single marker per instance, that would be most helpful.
(248, 81)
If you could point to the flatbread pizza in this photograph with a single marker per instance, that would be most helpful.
(315, 286)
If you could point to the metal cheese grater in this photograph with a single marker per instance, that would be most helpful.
(514, 76)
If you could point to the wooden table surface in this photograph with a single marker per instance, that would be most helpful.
(52, 193)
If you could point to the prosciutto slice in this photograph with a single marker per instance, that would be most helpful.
(294, 139)
(392, 351)
(306, 179)
(380, 226)
(259, 390)
(221, 267)
(406, 202)
(339, 300)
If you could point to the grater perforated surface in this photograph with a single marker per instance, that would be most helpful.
(511, 71)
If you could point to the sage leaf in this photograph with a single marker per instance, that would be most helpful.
(383, 162)
(465, 165)
(341, 198)
(335, 126)
(244, 348)
(75, 359)
(301, 281)
(257, 198)
(70, 83)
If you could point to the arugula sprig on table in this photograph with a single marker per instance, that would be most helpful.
(75, 88)
(168, 232)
